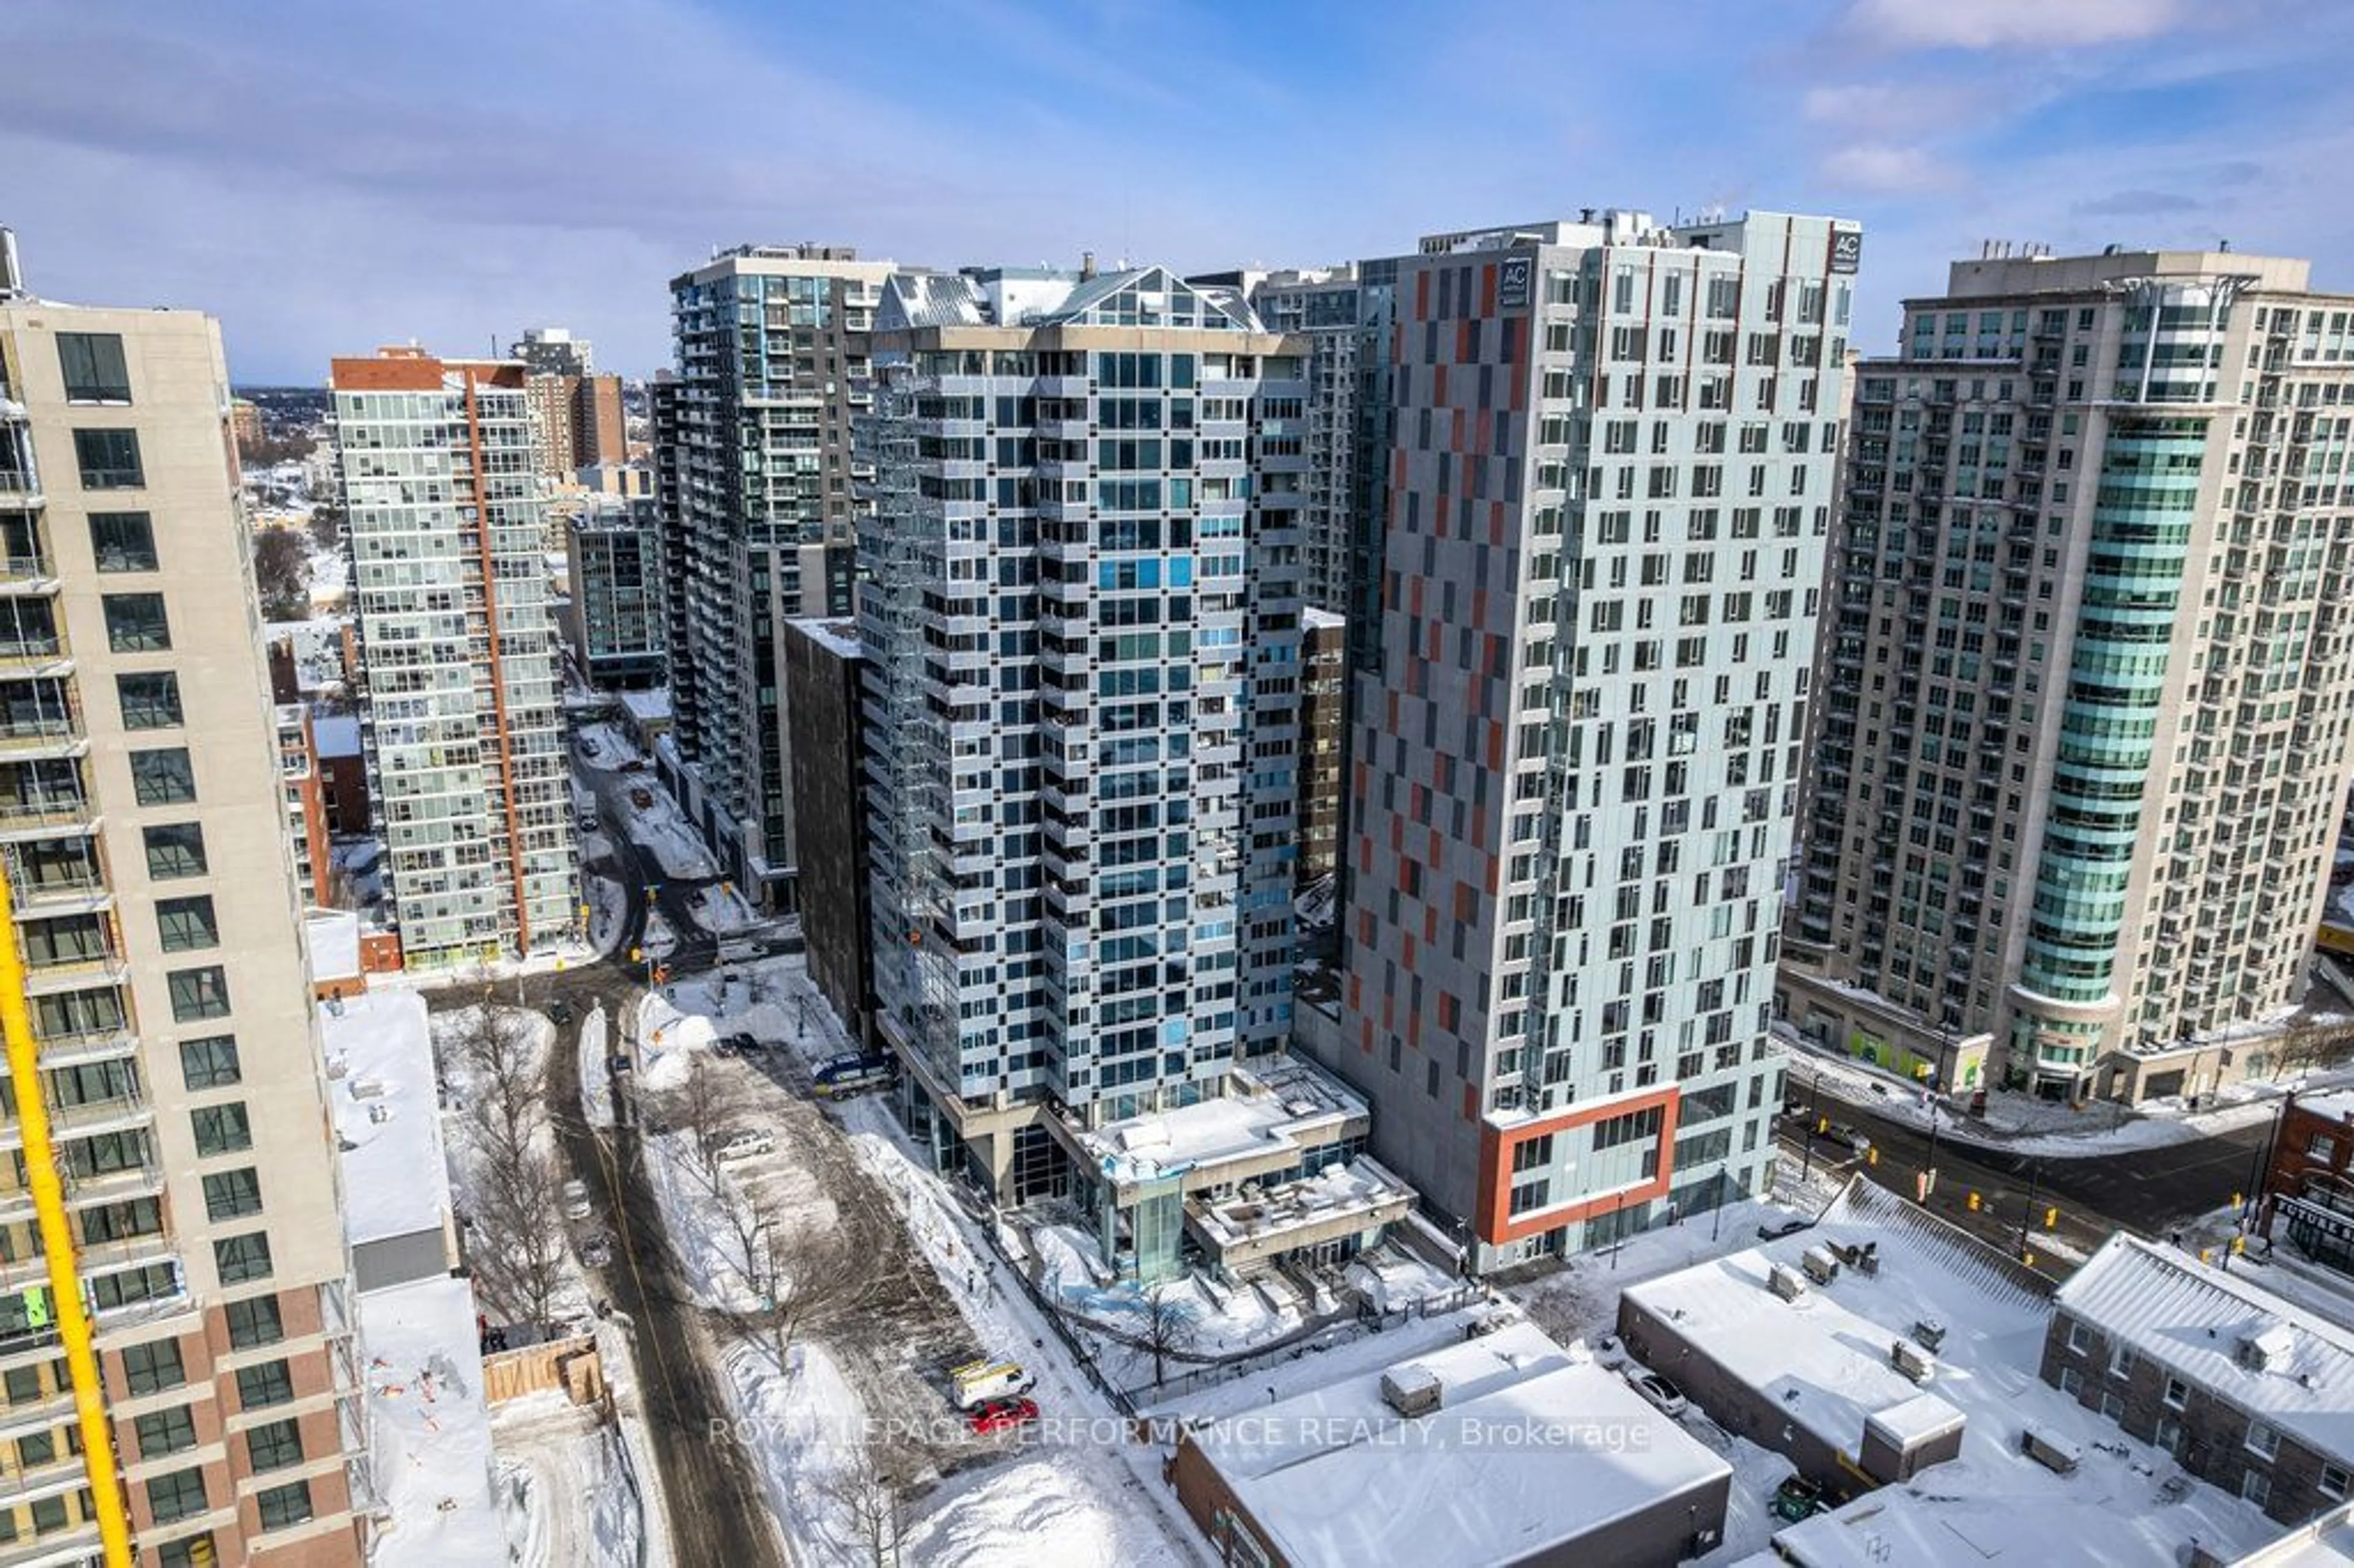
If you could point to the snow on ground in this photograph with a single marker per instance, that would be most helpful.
(1031, 1513)
(566, 1487)
(661, 829)
(606, 746)
(805, 1428)
(609, 911)
(659, 940)
(2020, 1123)
(595, 1083)
(721, 910)
(2281, 1268)
(1749, 1522)
(428, 1431)
(667, 1039)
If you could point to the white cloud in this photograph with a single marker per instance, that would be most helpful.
(2010, 24)
(1879, 110)
(1895, 171)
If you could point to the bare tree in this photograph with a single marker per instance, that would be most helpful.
(516, 1247)
(699, 1108)
(1167, 1327)
(793, 1273)
(503, 1099)
(282, 573)
(869, 1489)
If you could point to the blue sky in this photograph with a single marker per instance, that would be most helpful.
(329, 176)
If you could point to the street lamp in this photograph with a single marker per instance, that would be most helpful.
(1929, 1162)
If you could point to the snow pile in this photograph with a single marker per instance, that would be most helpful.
(608, 911)
(566, 1487)
(668, 1040)
(721, 910)
(1035, 1512)
(596, 1080)
(659, 941)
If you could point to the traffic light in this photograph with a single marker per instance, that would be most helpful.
(662, 974)
(1822, 1123)
(2051, 1219)
(637, 955)
(1974, 1203)
(1871, 1157)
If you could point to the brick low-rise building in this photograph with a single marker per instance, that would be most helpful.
(2308, 1199)
(2247, 1391)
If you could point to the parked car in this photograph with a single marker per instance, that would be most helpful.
(1774, 1230)
(587, 822)
(1609, 1351)
(1002, 1416)
(597, 1251)
(641, 796)
(1845, 1136)
(747, 1145)
(977, 1383)
(845, 1077)
(1659, 1391)
(558, 1012)
(577, 1205)
(618, 1063)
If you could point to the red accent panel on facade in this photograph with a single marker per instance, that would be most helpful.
(1492, 1221)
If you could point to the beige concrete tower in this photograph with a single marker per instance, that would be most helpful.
(157, 918)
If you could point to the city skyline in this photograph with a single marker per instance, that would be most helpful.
(435, 191)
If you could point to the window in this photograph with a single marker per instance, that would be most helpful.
(164, 777)
(274, 1445)
(2333, 1480)
(150, 701)
(210, 1062)
(23, 1384)
(199, 993)
(229, 1194)
(109, 459)
(2078, 1340)
(222, 1129)
(187, 924)
(192, 1552)
(2256, 1487)
(242, 1258)
(283, 1506)
(2178, 1393)
(135, 622)
(177, 1494)
(93, 363)
(254, 1323)
(2072, 1382)
(123, 541)
(153, 1367)
(272, 1382)
(175, 849)
(2262, 1440)
(167, 1432)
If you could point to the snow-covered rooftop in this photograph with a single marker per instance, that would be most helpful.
(1315, 620)
(1359, 1187)
(387, 1117)
(837, 637)
(1530, 1448)
(1265, 1109)
(429, 1428)
(2333, 1102)
(333, 936)
(335, 735)
(649, 706)
(2191, 1319)
(1825, 1360)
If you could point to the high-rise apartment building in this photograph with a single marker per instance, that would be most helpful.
(554, 351)
(575, 422)
(753, 470)
(1576, 746)
(2083, 741)
(613, 565)
(1080, 600)
(460, 677)
(169, 1182)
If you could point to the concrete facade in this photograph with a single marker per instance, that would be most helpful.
(1079, 592)
(617, 624)
(1574, 753)
(2084, 733)
(754, 474)
(142, 822)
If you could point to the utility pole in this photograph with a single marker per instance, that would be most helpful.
(1929, 1164)
(2027, 1216)
(1806, 1141)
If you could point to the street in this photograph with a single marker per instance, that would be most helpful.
(2149, 1189)
(717, 1510)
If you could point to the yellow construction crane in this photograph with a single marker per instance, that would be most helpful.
(57, 1242)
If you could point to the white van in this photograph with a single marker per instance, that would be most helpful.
(976, 1382)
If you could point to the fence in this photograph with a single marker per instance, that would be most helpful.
(1313, 1340)
(570, 1365)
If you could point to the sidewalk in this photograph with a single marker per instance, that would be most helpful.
(2019, 1123)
